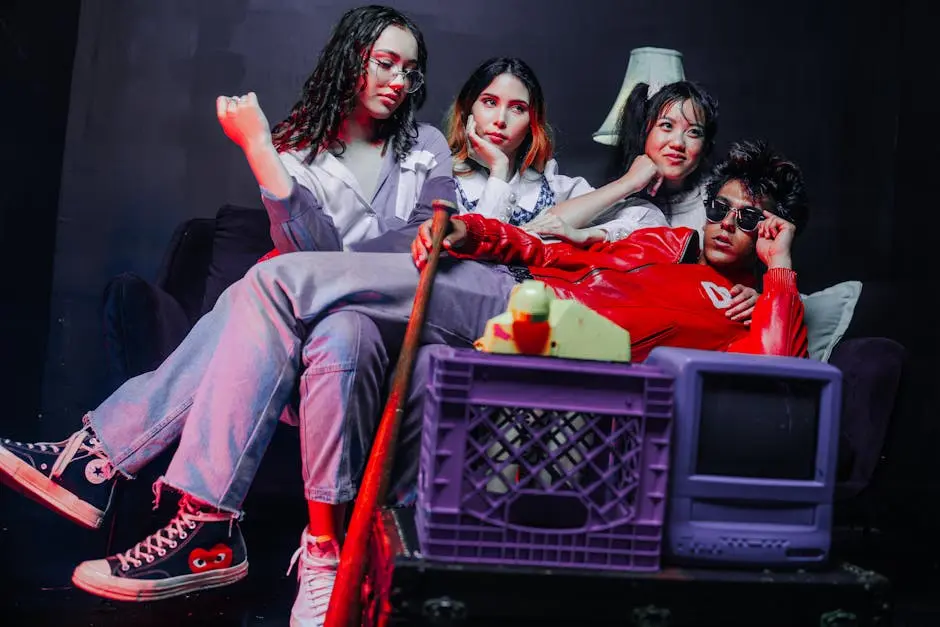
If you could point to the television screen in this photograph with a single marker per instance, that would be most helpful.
(758, 426)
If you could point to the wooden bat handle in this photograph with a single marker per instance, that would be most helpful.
(345, 602)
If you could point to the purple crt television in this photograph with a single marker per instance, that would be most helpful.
(753, 471)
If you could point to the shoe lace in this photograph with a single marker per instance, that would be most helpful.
(156, 544)
(316, 575)
(45, 447)
(82, 444)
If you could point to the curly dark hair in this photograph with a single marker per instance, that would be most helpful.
(764, 173)
(329, 94)
(640, 113)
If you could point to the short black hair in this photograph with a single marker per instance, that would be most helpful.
(764, 173)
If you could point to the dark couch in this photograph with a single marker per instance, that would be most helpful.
(145, 320)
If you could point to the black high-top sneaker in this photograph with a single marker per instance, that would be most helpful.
(73, 477)
(197, 550)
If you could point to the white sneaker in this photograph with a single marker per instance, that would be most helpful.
(319, 558)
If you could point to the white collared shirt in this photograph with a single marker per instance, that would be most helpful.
(356, 216)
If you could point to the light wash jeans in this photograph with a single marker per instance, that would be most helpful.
(222, 391)
(347, 366)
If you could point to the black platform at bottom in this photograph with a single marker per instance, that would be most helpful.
(407, 589)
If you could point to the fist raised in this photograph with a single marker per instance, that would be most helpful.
(774, 239)
(242, 119)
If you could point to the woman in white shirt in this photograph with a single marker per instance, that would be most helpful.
(664, 140)
(348, 169)
(349, 163)
(502, 148)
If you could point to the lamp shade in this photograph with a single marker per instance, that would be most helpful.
(654, 66)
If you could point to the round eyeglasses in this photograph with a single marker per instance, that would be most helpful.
(386, 72)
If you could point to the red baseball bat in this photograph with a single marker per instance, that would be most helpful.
(345, 603)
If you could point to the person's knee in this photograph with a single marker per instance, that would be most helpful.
(271, 281)
(263, 273)
(348, 339)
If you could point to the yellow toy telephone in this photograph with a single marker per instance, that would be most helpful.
(537, 323)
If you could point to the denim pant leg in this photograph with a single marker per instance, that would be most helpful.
(345, 364)
(403, 481)
(146, 414)
(253, 356)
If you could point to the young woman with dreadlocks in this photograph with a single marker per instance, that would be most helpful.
(349, 163)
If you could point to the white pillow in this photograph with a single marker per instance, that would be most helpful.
(828, 314)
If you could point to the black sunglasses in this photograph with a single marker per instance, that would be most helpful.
(746, 218)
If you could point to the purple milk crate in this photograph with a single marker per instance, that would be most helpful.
(544, 462)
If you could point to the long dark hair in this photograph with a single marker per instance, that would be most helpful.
(329, 95)
(536, 149)
(640, 113)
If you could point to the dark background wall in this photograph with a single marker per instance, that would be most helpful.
(36, 50)
(835, 85)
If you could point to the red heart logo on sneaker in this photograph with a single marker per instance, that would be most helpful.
(216, 558)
